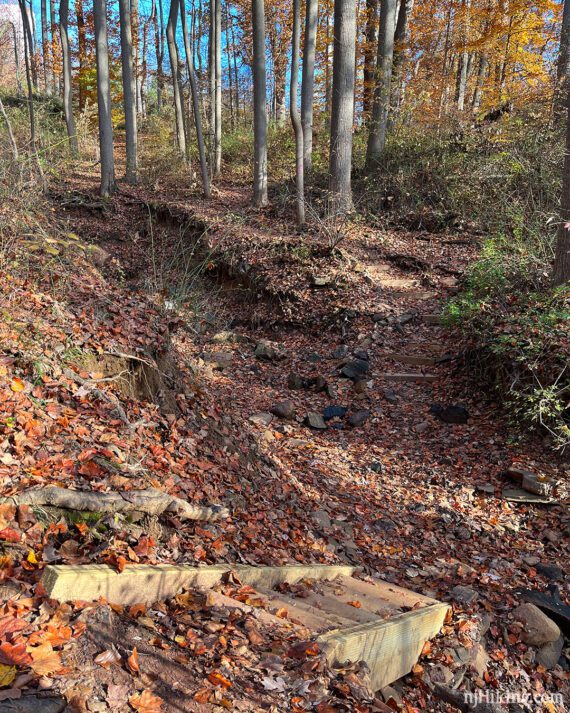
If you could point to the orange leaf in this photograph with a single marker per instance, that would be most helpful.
(44, 659)
(356, 604)
(11, 624)
(14, 654)
(137, 610)
(17, 385)
(146, 702)
(133, 661)
(218, 680)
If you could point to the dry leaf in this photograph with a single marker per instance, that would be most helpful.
(133, 661)
(44, 659)
(146, 702)
(218, 680)
(17, 385)
(14, 654)
(7, 675)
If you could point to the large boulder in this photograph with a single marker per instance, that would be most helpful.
(538, 629)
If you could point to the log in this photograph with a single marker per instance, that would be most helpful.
(150, 501)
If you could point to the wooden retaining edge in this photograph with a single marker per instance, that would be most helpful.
(412, 359)
(390, 648)
(410, 377)
(145, 584)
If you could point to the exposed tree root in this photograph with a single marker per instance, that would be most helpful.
(150, 501)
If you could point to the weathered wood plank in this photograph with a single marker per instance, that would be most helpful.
(417, 377)
(142, 583)
(413, 359)
(376, 595)
(390, 648)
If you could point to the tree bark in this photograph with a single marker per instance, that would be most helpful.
(381, 107)
(464, 59)
(563, 65)
(561, 272)
(129, 91)
(135, 39)
(13, 144)
(29, 77)
(481, 72)
(16, 57)
(398, 62)
(67, 81)
(45, 46)
(370, 47)
(342, 111)
(260, 197)
(56, 81)
(218, 97)
(82, 54)
(295, 117)
(174, 68)
(195, 103)
(104, 99)
(308, 81)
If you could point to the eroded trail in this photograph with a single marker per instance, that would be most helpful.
(377, 451)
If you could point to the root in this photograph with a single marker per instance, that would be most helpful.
(150, 501)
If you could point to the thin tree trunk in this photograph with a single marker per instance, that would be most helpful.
(328, 73)
(212, 85)
(195, 102)
(370, 48)
(129, 91)
(82, 53)
(561, 272)
(295, 117)
(260, 197)
(13, 144)
(381, 107)
(230, 73)
(29, 37)
(481, 72)
(174, 68)
(56, 82)
(444, 64)
(144, 64)
(236, 74)
(135, 33)
(45, 45)
(104, 99)
(464, 60)
(157, 19)
(16, 40)
(342, 111)
(563, 65)
(218, 94)
(398, 62)
(308, 81)
(67, 81)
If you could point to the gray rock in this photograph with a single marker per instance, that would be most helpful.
(464, 595)
(341, 352)
(321, 281)
(377, 466)
(360, 386)
(359, 418)
(362, 354)
(487, 488)
(538, 629)
(550, 571)
(421, 427)
(463, 533)
(284, 409)
(391, 694)
(295, 382)
(355, 369)
(549, 654)
(390, 396)
(315, 420)
(531, 560)
(319, 383)
(262, 418)
(322, 518)
(34, 704)
(269, 351)
(334, 412)
(228, 337)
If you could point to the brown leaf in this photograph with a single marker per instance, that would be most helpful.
(108, 658)
(14, 654)
(133, 661)
(218, 680)
(44, 659)
(146, 702)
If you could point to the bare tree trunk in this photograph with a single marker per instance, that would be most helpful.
(45, 46)
(13, 144)
(28, 27)
(398, 63)
(464, 60)
(370, 49)
(144, 63)
(230, 73)
(56, 83)
(16, 41)
(342, 111)
(381, 107)
(561, 272)
(481, 72)
(218, 97)
(29, 81)
(195, 102)
(295, 117)
(104, 99)
(82, 53)
(174, 68)
(328, 73)
(260, 197)
(236, 74)
(135, 34)
(129, 91)
(563, 65)
(308, 81)
(67, 82)
(158, 22)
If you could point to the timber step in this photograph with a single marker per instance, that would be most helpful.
(349, 618)
(417, 377)
(413, 359)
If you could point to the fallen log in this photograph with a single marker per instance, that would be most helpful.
(149, 501)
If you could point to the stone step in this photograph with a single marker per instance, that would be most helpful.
(417, 377)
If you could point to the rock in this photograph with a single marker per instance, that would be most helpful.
(538, 628)
(441, 674)
(34, 704)
(530, 560)
(391, 694)
(360, 386)
(384, 524)
(228, 337)
(362, 355)
(479, 660)
(315, 420)
(341, 352)
(377, 467)
(358, 418)
(450, 414)
(421, 427)
(463, 533)
(390, 396)
(321, 281)
(518, 495)
(550, 571)
(355, 369)
(319, 383)
(262, 418)
(487, 488)
(552, 536)
(549, 654)
(313, 357)
(334, 412)
(218, 360)
(295, 382)
(269, 351)
(283, 409)
(464, 595)
(322, 518)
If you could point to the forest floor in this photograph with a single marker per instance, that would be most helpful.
(195, 289)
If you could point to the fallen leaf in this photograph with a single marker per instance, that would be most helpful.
(133, 661)
(146, 702)
(218, 680)
(7, 675)
(44, 659)
(108, 658)
(14, 654)
(17, 385)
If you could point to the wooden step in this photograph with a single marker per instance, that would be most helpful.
(412, 359)
(414, 376)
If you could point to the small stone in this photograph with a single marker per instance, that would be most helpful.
(530, 560)
(218, 360)
(391, 694)
(359, 418)
(320, 384)
(315, 420)
(552, 536)
(550, 571)
(295, 382)
(341, 352)
(228, 337)
(384, 524)
(464, 595)
(322, 518)
(360, 386)
(284, 409)
(450, 414)
(538, 628)
(262, 418)
(321, 281)
(377, 467)
(355, 369)
(379, 317)
(362, 354)
(549, 654)
(313, 357)
(269, 351)
(463, 533)
(487, 488)
(441, 674)
(390, 396)
(334, 412)
(421, 427)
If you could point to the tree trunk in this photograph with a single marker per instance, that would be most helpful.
(236, 73)
(195, 102)
(400, 40)
(260, 197)
(104, 99)
(174, 68)
(56, 82)
(29, 81)
(328, 73)
(464, 59)
(561, 272)
(135, 35)
(481, 72)
(67, 80)
(218, 97)
(342, 111)
(29, 35)
(45, 46)
(158, 22)
(563, 65)
(230, 73)
(295, 117)
(16, 41)
(129, 91)
(82, 51)
(308, 81)
(13, 144)
(370, 46)
(381, 107)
